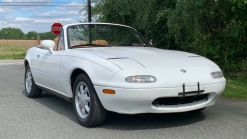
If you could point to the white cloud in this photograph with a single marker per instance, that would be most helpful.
(72, 6)
(73, 12)
(22, 19)
(65, 20)
(5, 10)
(53, 20)
(55, 14)
(3, 23)
(7, 0)
(47, 14)
(14, 2)
(13, 25)
(36, 8)
(27, 24)
(41, 20)
(8, 17)
(33, 5)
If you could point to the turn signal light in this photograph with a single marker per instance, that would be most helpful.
(107, 91)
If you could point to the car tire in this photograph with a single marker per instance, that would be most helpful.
(88, 108)
(31, 89)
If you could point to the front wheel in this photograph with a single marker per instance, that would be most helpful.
(88, 108)
(31, 89)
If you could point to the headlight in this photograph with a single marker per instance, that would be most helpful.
(217, 74)
(141, 79)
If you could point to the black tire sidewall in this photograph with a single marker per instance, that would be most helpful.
(86, 80)
(28, 94)
(35, 91)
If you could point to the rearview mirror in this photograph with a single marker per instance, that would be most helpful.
(48, 44)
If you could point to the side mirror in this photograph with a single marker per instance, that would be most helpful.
(48, 44)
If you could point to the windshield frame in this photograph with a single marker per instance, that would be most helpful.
(146, 43)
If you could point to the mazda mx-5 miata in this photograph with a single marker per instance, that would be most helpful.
(102, 67)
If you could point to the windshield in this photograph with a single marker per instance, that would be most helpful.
(96, 35)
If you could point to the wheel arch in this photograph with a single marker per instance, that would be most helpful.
(74, 74)
(26, 63)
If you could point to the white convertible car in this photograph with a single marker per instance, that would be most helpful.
(104, 67)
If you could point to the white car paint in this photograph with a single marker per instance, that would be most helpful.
(133, 101)
(107, 67)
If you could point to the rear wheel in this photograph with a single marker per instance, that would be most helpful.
(32, 91)
(88, 108)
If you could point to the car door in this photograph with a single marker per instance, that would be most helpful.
(48, 66)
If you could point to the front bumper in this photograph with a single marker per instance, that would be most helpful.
(134, 101)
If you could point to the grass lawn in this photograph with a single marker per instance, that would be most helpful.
(236, 89)
(10, 49)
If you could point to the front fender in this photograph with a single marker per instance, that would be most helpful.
(99, 72)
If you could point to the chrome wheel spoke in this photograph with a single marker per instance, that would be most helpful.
(28, 81)
(82, 100)
(81, 89)
(86, 90)
(79, 104)
(87, 99)
(87, 108)
(78, 95)
(83, 111)
(29, 77)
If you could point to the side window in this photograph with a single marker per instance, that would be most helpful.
(60, 45)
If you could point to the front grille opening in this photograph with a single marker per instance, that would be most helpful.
(179, 100)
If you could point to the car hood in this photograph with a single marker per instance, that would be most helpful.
(149, 57)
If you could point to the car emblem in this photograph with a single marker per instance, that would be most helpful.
(182, 70)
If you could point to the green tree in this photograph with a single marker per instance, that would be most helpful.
(140, 14)
(32, 35)
(12, 33)
(214, 29)
(47, 35)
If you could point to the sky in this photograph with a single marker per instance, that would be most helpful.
(39, 15)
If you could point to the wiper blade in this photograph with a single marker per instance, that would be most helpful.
(85, 45)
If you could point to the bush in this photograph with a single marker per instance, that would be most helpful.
(214, 29)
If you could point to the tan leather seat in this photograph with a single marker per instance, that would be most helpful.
(101, 42)
(56, 42)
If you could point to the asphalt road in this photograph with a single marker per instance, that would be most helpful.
(52, 117)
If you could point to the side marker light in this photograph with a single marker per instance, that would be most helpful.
(108, 91)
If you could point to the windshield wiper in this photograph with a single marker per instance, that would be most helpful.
(125, 43)
(89, 44)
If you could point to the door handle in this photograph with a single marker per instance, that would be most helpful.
(37, 56)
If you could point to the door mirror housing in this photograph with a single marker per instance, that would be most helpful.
(48, 44)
